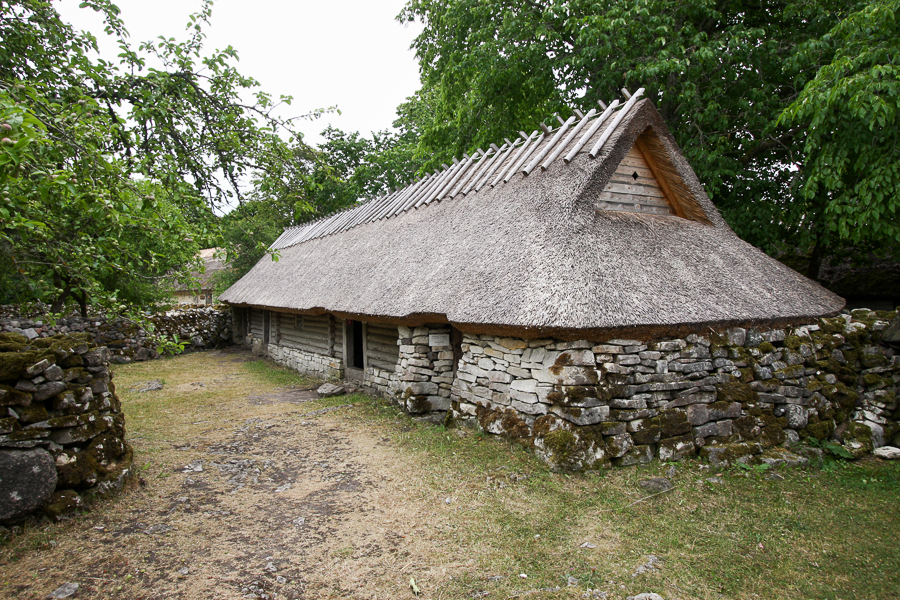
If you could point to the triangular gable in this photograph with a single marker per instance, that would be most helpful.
(646, 181)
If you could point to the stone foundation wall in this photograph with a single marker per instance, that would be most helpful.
(425, 371)
(727, 396)
(201, 327)
(62, 431)
(302, 361)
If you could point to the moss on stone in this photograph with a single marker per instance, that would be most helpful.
(766, 347)
(793, 342)
(561, 443)
(12, 397)
(821, 430)
(673, 423)
(735, 391)
(13, 363)
(8, 337)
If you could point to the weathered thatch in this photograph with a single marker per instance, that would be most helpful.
(533, 256)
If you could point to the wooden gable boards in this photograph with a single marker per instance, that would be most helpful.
(646, 181)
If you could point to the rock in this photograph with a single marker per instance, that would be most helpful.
(150, 386)
(656, 485)
(887, 452)
(715, 480)
(27, 481)
(645, 596)
(329, 389)
(66, 590)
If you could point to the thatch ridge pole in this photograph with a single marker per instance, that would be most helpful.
(341, 223)
(443, 177)
(549, 145)
(404, 194)
(411, 199)
(523, 157)
(607, 110)
(445, 189)
(377, 205)
(464, 177)
(612, 126)
(359, 212)
(565, 143)
(437, 191)
(369, 211)
(498, 166)
(435, 184)
(525, 141)
(495, 164)
(483, 168)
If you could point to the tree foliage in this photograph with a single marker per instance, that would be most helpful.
(770, 101)
(109, 173)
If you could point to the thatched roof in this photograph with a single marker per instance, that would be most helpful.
(202, 280)
(488, 247)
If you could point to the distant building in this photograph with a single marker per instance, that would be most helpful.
(201, 288)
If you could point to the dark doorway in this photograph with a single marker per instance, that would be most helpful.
(456, 338)
(355, 357)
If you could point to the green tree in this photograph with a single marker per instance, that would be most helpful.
(721, 72)
(78, 134)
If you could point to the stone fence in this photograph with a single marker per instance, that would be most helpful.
(731, 396)
(199, 327)
(62, 431)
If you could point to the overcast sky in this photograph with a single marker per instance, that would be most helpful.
(349, 53)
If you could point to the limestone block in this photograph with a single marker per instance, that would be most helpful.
(635, 402)
(677, 448)
(500, 377)
(423, 388)
(530, 409)
(639, 454)
(713, 429)
(512, 343)
(27, 481)
(724, 410)
(619, 444)
(524, 385)
(47, 390)
(581, 416)
(628, 359)
(607, 349)
(523, 397)
(519, 373)
(669, 346)
(37, 368)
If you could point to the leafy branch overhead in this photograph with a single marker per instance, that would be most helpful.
(786, 110)
(110, 173)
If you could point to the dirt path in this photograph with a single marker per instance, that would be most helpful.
(274, 496)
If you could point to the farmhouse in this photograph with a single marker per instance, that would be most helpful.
(574, 288)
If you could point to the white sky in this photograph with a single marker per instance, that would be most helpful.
(349, 53)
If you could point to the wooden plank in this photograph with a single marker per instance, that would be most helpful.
(383, 365)
(632, 199)
(627, 170)
(617, 207)
(381, 349)
(384, 330)
(628, 179)
(388, 340)
(651, 162)
(637, 190)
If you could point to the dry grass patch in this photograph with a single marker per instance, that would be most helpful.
(253, 487)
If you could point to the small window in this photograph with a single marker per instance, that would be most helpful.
(298, 322)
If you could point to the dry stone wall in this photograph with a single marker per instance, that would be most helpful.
(200, 327)
(62, 431)
(728, 396)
